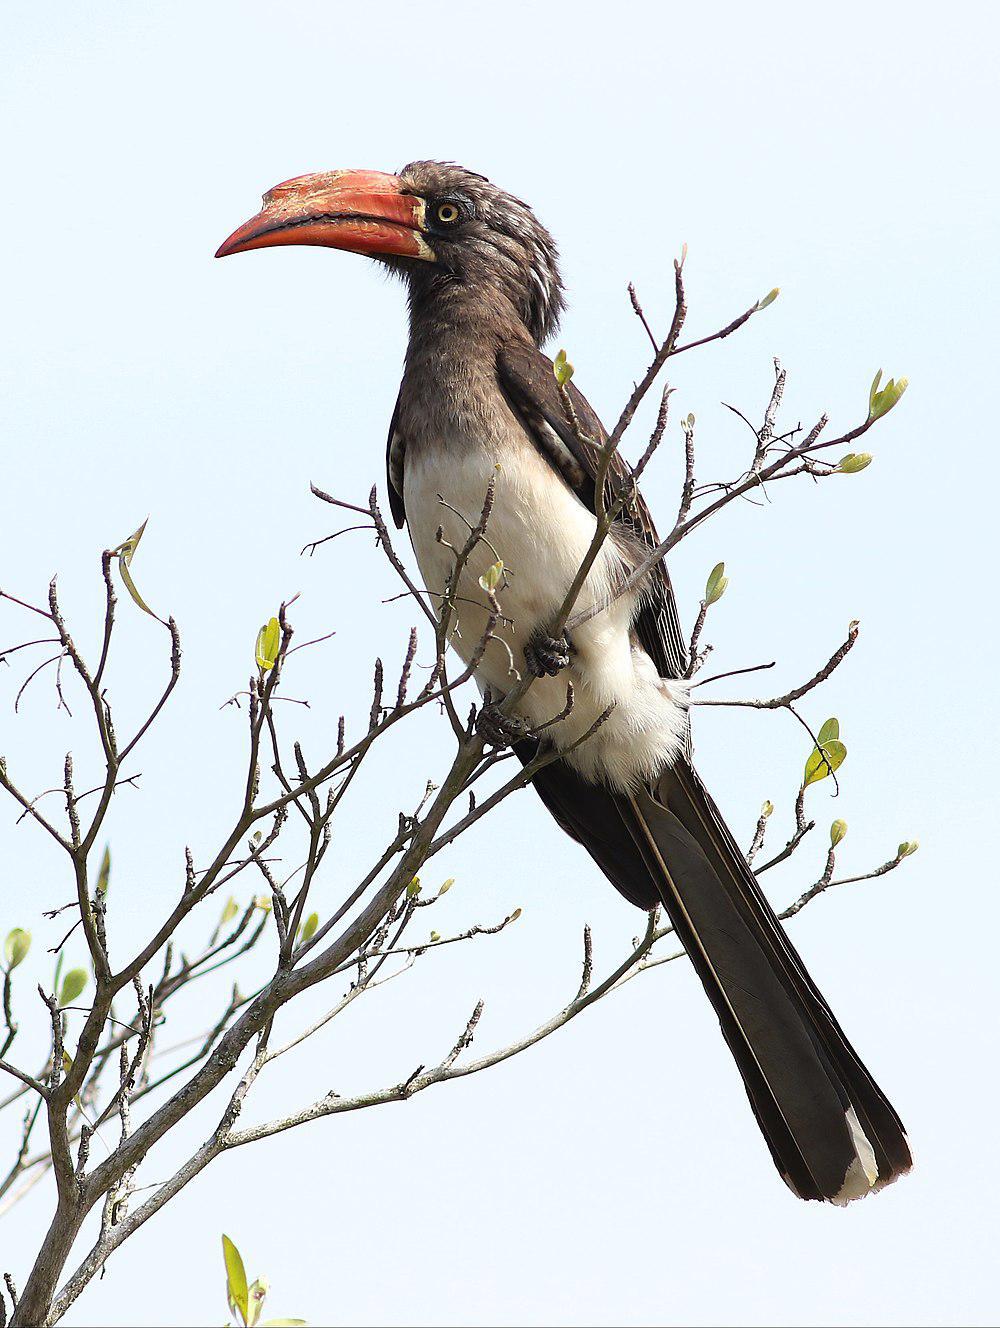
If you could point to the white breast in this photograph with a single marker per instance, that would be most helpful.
(541, 531)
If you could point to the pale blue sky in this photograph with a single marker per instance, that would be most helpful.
(615, 1174)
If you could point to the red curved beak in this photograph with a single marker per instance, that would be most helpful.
(364, 212)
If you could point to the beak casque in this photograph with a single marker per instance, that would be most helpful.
(364, 212)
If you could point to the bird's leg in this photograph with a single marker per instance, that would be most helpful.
(499, 730)
(546, 654)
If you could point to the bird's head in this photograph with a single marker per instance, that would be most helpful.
(443, 228)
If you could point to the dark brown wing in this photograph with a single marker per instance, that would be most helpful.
(527, 378)
(394, 448)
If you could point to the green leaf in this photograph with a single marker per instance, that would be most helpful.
(236, 1279)
(284, 1323)
(852, 463)
(16, 947)
(769, 298)
(435, 936)
(447, 886)
(881, 401)
(907, 847)
(104, 872)
(130, 586)
(830, 729)
(125, 553)
(491, 577)
(767, 809)
(413, 889)
(72, 984)
(874, 391)
(837, 831)
(230, 910)
(67, 1065)
(829, 756)
(715, 586)
(126, 550)
(268, 644)
(257, 1294)
(562, 369)
(309, 927)
(891, 395)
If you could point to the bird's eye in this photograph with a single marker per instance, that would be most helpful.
(446, 213)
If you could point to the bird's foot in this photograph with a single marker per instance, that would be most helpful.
(546, 654)
(498, 729)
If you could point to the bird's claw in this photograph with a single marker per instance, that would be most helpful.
(498, 729)
(546, 654)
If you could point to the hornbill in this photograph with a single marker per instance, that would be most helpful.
(479, 402)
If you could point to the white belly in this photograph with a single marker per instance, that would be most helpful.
(542, 531)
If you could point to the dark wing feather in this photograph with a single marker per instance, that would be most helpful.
(394, 482)
(528, 381)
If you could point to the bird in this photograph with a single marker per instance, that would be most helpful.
(479, 407)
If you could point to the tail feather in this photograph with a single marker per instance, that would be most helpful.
(831, 1131)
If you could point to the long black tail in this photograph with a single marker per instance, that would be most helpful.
(831, 1131)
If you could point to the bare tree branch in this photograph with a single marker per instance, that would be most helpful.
(282, 830)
